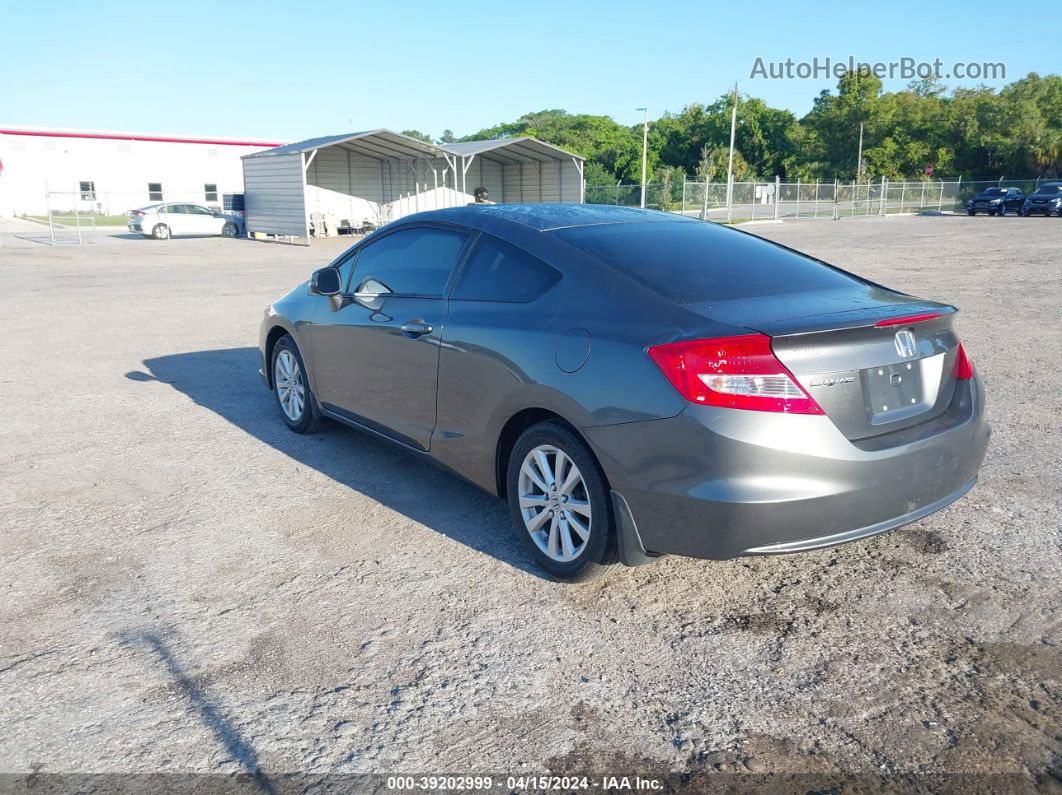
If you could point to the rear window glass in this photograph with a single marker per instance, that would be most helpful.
(693, 262)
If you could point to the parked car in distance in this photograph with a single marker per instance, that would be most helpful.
(1046, 199)
(996, 201)
(635, 383)
(180, 219)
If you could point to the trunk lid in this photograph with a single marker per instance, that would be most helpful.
(870, 379)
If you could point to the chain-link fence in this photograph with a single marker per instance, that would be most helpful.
(774, 199)
(73, 217)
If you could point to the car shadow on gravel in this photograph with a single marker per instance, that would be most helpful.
(226, 381)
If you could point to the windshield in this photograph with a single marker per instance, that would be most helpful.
(1049, 190)
(993, 192)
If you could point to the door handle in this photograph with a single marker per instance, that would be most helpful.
(416, 328)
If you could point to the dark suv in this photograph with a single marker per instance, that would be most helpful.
(996, 201)
(1047, 200)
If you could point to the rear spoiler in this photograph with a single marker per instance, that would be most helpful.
(886, 315)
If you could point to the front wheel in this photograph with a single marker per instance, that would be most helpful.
(559, 503)
(971, 212)
(229, 230)
(295, 399)
(1002, 211)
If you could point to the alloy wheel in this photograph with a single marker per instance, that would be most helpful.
(291, 392)
(555, 503)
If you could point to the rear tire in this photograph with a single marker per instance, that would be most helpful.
(161, 232)
(567, 527)
(291, 389)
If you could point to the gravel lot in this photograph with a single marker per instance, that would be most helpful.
(187, 586)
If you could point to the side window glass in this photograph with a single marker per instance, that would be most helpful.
(497, 271)
(345, 269)
(415, 261)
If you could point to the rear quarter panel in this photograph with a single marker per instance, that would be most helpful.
(497, 359)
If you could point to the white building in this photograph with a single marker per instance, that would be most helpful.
(112, 172)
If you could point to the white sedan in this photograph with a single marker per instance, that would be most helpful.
(163, 221)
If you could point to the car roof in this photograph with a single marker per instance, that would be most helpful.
(156, 205)
(545, 217)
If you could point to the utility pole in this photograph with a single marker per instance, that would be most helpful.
(859, 157)
(730, 163)
(645, 149)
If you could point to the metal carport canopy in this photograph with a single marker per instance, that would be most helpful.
(381, 143)
(385, 146)
(515, 151)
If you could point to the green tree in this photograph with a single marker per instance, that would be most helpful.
(418, 134)
(975, 132)
(666, 179)
(596, 174)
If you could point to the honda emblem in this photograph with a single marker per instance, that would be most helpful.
(905, 344)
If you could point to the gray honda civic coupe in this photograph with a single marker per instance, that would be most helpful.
(635, 383)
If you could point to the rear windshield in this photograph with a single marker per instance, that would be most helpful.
(693, 262)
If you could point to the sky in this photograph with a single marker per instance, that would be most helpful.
(294, 70)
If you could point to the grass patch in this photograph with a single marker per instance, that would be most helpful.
(87, 219)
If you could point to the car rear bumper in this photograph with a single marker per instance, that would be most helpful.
(807, 544)
(720, 483)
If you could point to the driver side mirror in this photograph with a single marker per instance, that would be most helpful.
(325, 282)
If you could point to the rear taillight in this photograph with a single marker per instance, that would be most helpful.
(733, 372)
(964, 369)
(137, 212)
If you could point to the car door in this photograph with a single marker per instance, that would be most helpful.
(203, 220)
(1015, 199)
(174, 216)
(376, 349)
